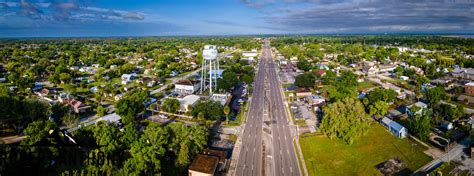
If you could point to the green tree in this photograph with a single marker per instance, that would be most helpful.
(212, 110)
(304, 65)
(147, 151)
(38, 131)
(247, 79)
(345, 119)
(100, 111)
(306, 80)
(130, 105)
(434, 95)
(228, 81)
(65, 77)
(226, 113)
(380, 94)
(379, 108)
(70, 120)
(420, 124)
(171, 105)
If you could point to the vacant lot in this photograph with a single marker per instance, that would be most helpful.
(324, 156)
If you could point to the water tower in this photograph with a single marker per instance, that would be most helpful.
(210, 68)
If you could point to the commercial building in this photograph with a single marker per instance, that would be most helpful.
(186, 87)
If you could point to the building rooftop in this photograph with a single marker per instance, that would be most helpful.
(204, 164)
(392, 124)
(188, 100)
(185, 82)
(470, 84)
(419, 104)
(301, 90)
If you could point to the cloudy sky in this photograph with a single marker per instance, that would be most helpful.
(62, 18)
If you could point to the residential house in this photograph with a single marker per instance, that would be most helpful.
(185, 102)
(42, 92)
(446, 83)
(404, 78)
(321, 72)
(93, 89)
(174, 73)
(185, 87)
(369, 68)
(463, 73)
(466, 99)
(420, 106)
(118, 97)
(469, 88)
(303, 92)
(79, 107)
(126, 78)
(387, 68)
(395, 128)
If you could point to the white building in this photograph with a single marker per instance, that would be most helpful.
(185, 87)
(249, 54)
(185, 102)
(315, 100)
(420, 106)
(126, 78)
(221, 98)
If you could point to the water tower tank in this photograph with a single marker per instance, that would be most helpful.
(209, 52)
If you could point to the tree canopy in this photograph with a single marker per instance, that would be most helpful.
(130, 105)
(345, 119)
(306, 80)
(434, 95)
(211, 110)
(171, 105)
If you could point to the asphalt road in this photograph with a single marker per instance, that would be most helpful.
(267, 94)
(250, 157)
(285, 161)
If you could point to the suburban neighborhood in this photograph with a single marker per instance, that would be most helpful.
(237, 88)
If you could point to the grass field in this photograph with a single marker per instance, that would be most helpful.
(324, 156)
(366, 85)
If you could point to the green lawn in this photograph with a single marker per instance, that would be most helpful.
(334, 157)
(366, 85)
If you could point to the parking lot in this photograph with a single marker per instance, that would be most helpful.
(303, 112)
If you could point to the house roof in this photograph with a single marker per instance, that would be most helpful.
(188, 100)
(302, 90)
(186, 82)
(204, 164)
(314, 97)
(217, 153)
(470, 84)
(419, 104)
(321, 72)
(392, 124)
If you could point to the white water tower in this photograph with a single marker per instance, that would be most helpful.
(210, 68)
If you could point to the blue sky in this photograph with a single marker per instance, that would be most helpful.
(63, 18)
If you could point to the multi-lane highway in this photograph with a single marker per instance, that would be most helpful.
(284, 157)
(267, 96)
(250, 157)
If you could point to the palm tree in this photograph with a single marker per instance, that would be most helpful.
(226, 112)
